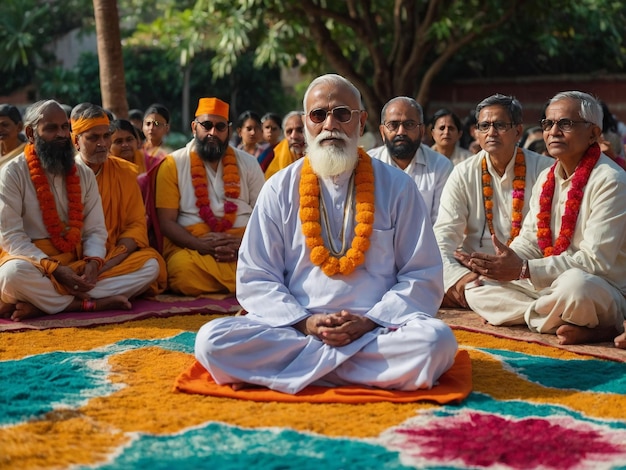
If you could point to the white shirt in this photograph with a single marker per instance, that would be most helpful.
(20, 215)
(429, 170)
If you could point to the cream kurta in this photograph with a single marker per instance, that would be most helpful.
(399, 287)
(429, 170)
(21, 222)
(584, 285)
(462, 224)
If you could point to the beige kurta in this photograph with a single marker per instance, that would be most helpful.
(584, 285)
(461, 223)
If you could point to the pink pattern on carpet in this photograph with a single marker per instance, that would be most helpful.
(142, 308)
(468, 439)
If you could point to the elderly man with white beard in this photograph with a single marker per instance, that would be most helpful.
(338, 270)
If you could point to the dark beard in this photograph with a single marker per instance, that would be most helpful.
(56, 156)
(210, 149)
(402, 147)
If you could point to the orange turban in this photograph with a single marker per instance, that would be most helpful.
(213, 106)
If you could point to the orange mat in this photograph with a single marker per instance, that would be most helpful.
(453, 387)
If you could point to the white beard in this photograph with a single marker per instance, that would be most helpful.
(331, 160)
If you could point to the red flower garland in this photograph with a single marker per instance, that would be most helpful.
(572, 205)
(231, 180)
(63, 237)
(519, 185)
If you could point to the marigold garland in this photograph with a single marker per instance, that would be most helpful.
(364, 217)
(572, 205)
(230, 176)
(519, 185)
(64, 237)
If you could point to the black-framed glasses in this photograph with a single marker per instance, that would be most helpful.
(565, 125)
(408, 125)
(219, 126)
(342, 114)
(499, 126)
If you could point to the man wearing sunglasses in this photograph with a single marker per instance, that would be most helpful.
(402, 128)
(338, 270)
(485, 194)
(205, 193)
(566, 272)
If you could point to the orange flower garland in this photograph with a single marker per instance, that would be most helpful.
(230, 176)
(364, 218)
(519, 184)
(63, 237)
(572, 205)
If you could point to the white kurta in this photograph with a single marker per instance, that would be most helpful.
(399, 287)
(462, 224)
(584, 285)
(429, 170)
(21, 222)
(250, 184)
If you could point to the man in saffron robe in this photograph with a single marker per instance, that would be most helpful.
(128, 250)
(402, 129)
(565, 274)
(52, 230)
(348, 294)
(487, 193)
(292, 147)
(205, 193)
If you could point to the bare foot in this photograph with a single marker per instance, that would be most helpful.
(6, 310)
(24, 311)
(573, 334)
(243, 386)
(115, 302)
(620, 341)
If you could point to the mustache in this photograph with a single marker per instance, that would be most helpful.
(331, 135)
(400, 138)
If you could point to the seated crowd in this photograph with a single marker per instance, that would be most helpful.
(340, 256)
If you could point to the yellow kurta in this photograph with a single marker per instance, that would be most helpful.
(125, 217)
(283, 157)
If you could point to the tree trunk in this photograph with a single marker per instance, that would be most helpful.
(110, 59)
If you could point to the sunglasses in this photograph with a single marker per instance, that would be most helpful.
(219, 126)
(340, 113)
(565, 125)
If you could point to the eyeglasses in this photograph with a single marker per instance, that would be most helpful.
(219, 126)
(565, 125)
(499, 126)
(408, 125)
(342, 114)
(153, 123)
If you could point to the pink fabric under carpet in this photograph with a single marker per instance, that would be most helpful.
(161, 306)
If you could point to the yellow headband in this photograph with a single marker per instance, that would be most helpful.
(81, 125)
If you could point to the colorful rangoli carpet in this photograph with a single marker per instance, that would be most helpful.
(103, 398)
